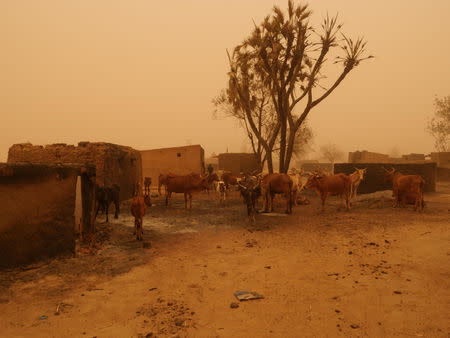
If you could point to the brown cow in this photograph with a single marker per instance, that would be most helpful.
(147, 183)
(338, 184)
(406, 187)
(187, 185)
(355, 180)
(230, 179)
(138, 210)
(275, 183)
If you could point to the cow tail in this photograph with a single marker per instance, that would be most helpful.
(291, 184)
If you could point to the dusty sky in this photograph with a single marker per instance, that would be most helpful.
(143, 73)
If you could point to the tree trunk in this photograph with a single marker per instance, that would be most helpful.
(290, 148)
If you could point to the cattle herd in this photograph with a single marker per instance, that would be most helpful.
(407, 189)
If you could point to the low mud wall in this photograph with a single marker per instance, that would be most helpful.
(37, 211)
(374, 179)
(443, 174)
(115, 164)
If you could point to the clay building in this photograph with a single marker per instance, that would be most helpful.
(43, 209)
(238, 162)
(114, 164)
(177, 160)
(367, 157)
(442, 159)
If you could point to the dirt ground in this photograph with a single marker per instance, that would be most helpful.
(374, 271)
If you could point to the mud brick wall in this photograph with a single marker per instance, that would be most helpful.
(37, 211)
(374, 179)
(177, 160)
(327, 167)
(114, 164)
(238, 162)
(443, 174)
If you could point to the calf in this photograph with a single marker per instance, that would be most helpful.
(338, 184)
(219, 187)
(355, 180)
(147, 183)
(138, 211)
(406, 187)
(250, 192)
(105, 196)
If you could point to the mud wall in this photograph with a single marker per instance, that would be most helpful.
(238, 162)
(37, 211)
(374, 179)
(114, 164)
(443, 174)
(176, 160)
(326, 167)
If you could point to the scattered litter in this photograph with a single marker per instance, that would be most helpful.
(398, 292)
(151, 289)
(243, 295)
(354, 326)
(350, 252)
(268, 267)
(234, 305)
(43, 317)
(334, 274)
(94, 289)
(179, 322)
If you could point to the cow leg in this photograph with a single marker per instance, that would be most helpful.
(117, 205)
(96, 212)
(271, 202)
(168, 195)
(323, 197)
(107, 209)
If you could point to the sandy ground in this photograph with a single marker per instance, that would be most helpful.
(374, 271)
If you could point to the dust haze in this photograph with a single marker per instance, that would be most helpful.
(143, 74)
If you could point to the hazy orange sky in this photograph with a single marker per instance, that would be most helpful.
(143, 73)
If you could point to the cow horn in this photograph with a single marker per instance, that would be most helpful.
(385, 169)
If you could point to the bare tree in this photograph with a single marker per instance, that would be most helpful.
(395, 152)
(256, 116)
(439, 124)
(288, 56)
(331, 153)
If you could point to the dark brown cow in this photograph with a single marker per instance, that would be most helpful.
(338, 184)
(162, 180)
(229, 179)
(147, 183)
(405, 188)
(138, 211)
(272, 184)
(250, 192)
(187, 185)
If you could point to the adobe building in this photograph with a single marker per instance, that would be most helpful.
(238, 162)
(442, 159)
(114, 164)
(176, 160)
(43, 208)
(367, 157)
